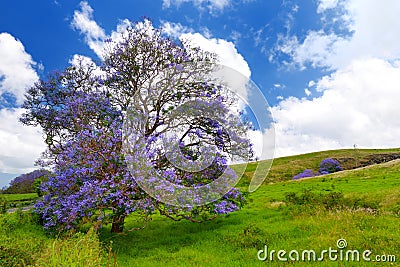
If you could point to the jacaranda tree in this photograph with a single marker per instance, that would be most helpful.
(155, 92)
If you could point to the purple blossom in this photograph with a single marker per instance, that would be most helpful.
(329, 165)
(306, 173)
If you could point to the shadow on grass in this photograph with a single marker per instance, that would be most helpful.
(164, 235)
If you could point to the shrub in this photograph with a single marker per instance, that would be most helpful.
(251, 237)
(329, 165)
(329, 201)
(304, 174)
(333, 200)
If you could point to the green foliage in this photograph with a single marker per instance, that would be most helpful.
(8, 201)
(251, 237)
(77, 250)
(3, 204)
(20, 239)
(25, 183)
(330, 201)
(36, 186)
(24, 243)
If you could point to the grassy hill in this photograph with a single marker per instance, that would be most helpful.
(285, 168)
(360, 205)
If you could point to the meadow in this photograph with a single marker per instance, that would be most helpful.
(360, 205)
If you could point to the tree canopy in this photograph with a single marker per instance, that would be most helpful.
(129, 135)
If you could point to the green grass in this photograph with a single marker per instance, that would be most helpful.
(19, 197)
(8, 201)
(235, 239)
(367, 215)
(20, 239)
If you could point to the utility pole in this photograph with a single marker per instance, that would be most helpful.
(355, 155)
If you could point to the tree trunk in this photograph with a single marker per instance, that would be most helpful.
(118, 224)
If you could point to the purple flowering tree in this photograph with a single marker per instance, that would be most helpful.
(25, 183)
(329, 165)
(163, 92)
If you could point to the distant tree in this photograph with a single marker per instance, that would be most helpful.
(25, 183)
(144, 79)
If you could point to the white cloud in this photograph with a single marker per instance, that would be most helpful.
(307, 92)
(359, 99)
(374, 33)
(324, 5)
(211, 5)
(226, 51)
(174, 29)
(84, 22)
(316, 49)
(237, 75)
(21, 145)
(359, 106)
(95, 36)
(16, 67)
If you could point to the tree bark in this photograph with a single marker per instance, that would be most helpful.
(118, 224)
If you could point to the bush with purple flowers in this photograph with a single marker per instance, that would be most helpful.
(329, 165)
(82, 111)
(306, 173)
(326, 166)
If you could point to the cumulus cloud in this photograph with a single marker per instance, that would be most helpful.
(17, 71)
(371, 34)
(94, 35)
(21, 145)
(358, 102)
(358, 106)
(83, 21)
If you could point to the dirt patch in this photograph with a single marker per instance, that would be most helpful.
(351, 163)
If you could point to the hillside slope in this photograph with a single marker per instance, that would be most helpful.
(285, 168)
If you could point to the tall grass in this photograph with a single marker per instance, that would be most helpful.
(78, 250)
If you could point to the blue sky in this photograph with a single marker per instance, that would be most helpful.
(329, 69)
